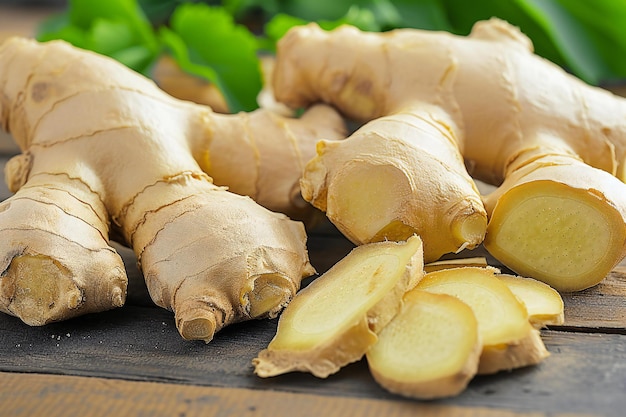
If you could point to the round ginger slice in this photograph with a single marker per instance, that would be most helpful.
(429, 350)
(509, 340)
(543, 303)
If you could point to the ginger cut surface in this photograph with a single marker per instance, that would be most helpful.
(334, 321)
(509, 341)
(430, 349)
(543, 303)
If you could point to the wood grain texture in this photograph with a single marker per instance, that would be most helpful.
(602, 307)
(586, 372)
(26, 395)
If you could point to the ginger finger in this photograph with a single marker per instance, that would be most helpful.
(49, 228)
(371, 185)
(262, 155)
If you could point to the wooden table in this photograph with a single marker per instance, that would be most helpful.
(131, 361)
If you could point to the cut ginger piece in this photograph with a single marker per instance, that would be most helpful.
(543, 303)
(431, 349)
(553, 221)
(334, 321)
(455, 263)
(509, 340)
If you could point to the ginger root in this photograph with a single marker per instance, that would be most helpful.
(435, 104)
(105, 153)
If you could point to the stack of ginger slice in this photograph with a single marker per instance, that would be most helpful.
(425, 331)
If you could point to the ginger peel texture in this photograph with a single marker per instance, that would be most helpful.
(136, 164)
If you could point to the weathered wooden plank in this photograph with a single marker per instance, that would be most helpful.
(600, 307)
(26, 395)
(586, 373)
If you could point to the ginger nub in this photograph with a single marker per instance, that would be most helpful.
(269, 295)
(42, 289)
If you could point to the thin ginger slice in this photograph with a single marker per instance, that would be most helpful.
(334, 320)
(509, 340)
(455, 263)
(431, 349)
(543, 303)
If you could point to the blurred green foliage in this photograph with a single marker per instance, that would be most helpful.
(221, 40)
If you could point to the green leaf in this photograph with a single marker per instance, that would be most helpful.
(240, 9)
(604, 23)
(570, 37)
(318, 10)
(362, 18)
(180, 53)
(280, 24)
(116, 28)
(158, 12)
(107, 36)
(423, 14)
(462, 15)
(207, 37)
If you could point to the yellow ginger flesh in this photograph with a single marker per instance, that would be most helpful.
(334, 321)
(543, 303)
(509, 341)
(429, 350)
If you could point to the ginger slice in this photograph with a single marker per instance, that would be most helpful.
(334, 320)
(455, 263)
(543, 303)
(509, 340)
(431, 349)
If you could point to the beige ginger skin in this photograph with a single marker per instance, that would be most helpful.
(106, 153)
(555, 146)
